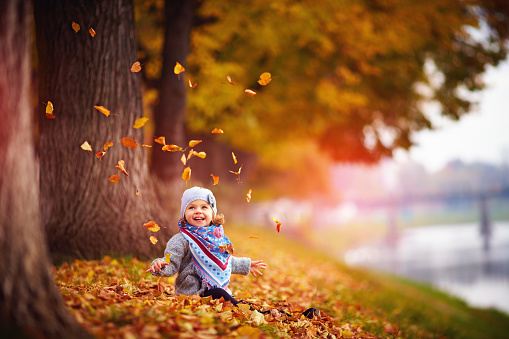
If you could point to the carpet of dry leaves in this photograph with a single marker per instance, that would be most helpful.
(115, 298)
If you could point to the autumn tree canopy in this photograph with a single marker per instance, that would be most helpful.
(352, 76)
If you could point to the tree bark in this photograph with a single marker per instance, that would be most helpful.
(84, 214)
(170, 111)
(30, 304)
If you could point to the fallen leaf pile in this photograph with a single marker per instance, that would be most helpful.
(116, 298)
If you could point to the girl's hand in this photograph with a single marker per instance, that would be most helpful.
(256, 266)
(157, 265)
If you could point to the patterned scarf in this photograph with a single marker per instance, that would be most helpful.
(211, 262)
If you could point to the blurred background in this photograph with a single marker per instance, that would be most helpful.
(380, 136)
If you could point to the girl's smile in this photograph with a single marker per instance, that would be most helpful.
(199, 213)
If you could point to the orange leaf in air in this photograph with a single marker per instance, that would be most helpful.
(100, 154)
(215, 178)
(253, 237)
(193, 143)
(234, 158)
(250, 92)
(248, 195)
(136, 67)
(107, 145)
(161, 140)
(129, 143)
(191, 85)
(178, 69)
(75, 26)
(230, 80)
(146, 146)
(186, 175)
(265, 78)
(183, 159)
(278, 224)
(217, 130)
(172, 148)
(114, 179)
(121, 167)
(153, 240)
(86, 146)
(49, 110)
(237, 173)
(138, 193)
(152, 226)
(228, 248)
(139, 123)
(92, 32)
(103, 110)
(198, 154)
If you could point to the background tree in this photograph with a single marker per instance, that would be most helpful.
(30, 304)
(84, 214)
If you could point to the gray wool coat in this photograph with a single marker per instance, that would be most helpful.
(188, 282)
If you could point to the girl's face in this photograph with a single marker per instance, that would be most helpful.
(199, 213)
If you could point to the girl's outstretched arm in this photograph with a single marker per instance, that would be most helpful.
(256, 266)
(157, 265)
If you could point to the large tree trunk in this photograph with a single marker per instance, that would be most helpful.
(84, 214)
(30, 304)
(170, 111)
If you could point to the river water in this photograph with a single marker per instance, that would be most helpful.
(454, 258)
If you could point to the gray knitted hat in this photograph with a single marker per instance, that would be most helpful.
(197, 193)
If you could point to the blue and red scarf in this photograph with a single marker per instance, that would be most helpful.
(211, 262)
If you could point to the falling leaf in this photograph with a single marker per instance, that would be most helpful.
(129, 143)
(138, 193)
(75, 26)
(228, 248)
(191, 85)
(92, 32)
(183, 159)
(234, 158)
(49, 110)
(265, 78)
(161, 140)
(250, 92)
(171, 148)
(146, 146)
(237, 173)
(121, 167)
(107, 145)
(278, 224)
(193, 143)
(167, 258)
(217, 130)
(248, 195)
(186, 175)
(254, 237)
(153, 240)
(198, 154)
(215, 178)
(100, 154)
(114, 179)
(139, 123)
(152, 226)
(103, 110)
(230, 80)
(86, 146)
(178, 69)
(136, 67)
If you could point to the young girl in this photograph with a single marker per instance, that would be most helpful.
(199, 252)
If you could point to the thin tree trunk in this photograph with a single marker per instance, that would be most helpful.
(84, 214)
(170, 112)
(30, 304)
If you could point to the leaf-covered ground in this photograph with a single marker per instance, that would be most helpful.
(115, 298)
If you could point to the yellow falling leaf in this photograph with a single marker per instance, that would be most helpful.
(146, 146)
(114, 178)
(86, 146)
(49, 110)
(138, 193)
(75, 26)
(193, 143)
(186, 175)
(153, 240)
(215, 178)
(234, 158)
(121, 167)
(171, 148)
(152, 226)
(183, 159)
(178, 69)
(248, 195)
(230, 80)
(217, 131)
(265, 78)
(107, 145)
(250, 92)
(161, 140)
(167, 258)
(139, 123)
(191, 84)
(103, 110)
(92, 32)
(136, 67)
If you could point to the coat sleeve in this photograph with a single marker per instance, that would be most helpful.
(177, 247)
(240, 265)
